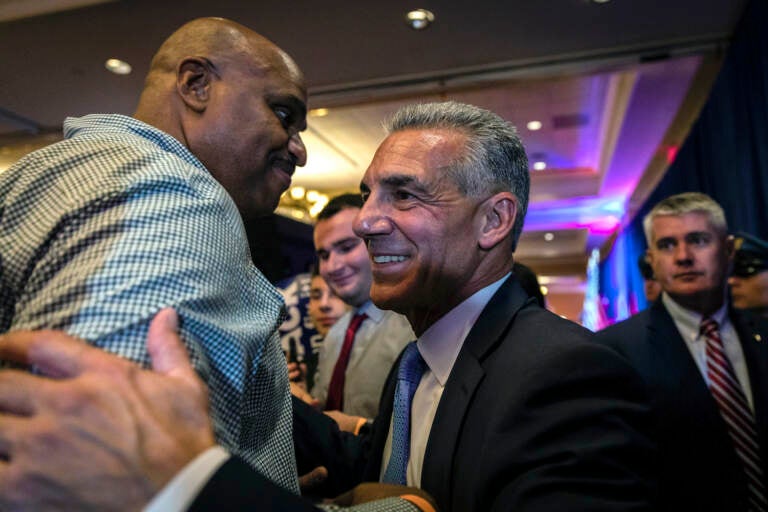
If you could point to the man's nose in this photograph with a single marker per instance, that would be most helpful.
(335, 261)
(297, 149)
(370, 220)
(683, 253)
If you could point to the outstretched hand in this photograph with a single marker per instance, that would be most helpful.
(94, 431)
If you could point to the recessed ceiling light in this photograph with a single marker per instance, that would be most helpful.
(600, 1)
(534, 125)
(549, 237)
(312, 196)
(117, 66)
(322, 200)
(540, 166)
(297, 192)
(318, 112)
(419, 19)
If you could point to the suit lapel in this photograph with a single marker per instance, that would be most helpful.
(675, 367)
(465, 376)
(672, 359)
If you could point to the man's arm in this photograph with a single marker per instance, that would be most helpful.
(167, 236)
(99, 433)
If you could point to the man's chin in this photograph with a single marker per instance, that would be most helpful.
(385, 298)
(254, 208)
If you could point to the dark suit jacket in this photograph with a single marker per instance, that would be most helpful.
(534, 416)
(699, 468)
(237, 487)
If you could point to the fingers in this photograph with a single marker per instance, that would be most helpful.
(54, 353)
(10, 429)
(169, 356)
(17, 392)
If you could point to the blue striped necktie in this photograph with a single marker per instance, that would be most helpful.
(412, 367)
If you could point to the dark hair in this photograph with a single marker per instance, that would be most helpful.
(339, 203)
(494, 159)
(530, 283)
(645, 268)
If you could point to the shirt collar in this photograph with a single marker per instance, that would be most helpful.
(691, 319)
(370, 309)
(440, 344)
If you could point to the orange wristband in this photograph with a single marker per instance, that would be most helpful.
(360, 423)
(420, 502)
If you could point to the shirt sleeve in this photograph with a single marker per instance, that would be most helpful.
(104, 261)
(179, 493)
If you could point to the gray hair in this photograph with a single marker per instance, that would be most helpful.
(494, 159)
(681, 204)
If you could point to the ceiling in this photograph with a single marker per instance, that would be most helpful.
(615, 86)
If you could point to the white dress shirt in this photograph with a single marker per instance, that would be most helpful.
(180, 492)
(439, 346)
(379, 340)
(688, 325)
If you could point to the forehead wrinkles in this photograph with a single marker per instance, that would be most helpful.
(421, 156)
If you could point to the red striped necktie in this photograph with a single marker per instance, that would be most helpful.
(734, 409)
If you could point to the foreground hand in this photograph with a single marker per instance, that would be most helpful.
(312, 480)
(346, 422)
(105, 435)
(364, 493)
(297, 373)
(301, 393)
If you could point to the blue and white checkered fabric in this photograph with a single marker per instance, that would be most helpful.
(101, 230)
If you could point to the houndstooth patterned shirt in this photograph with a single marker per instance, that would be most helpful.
(101, 230)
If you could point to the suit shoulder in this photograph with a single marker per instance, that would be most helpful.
(549, 326)
(627, 337)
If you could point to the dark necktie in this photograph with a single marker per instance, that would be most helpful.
(734, 409)
(412, 367)
(335, 400)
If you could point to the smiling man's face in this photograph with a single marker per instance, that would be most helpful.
(342, 257)
(689, 257)
(421, 229)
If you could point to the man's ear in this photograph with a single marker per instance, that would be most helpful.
(193, 82)
(649, 257)
(730, 247)
(498, 218)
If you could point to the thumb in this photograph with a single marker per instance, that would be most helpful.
(309, 481)
(165, 347)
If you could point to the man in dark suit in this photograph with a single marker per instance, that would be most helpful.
(712, 455)
(500, 404)
(516, 408)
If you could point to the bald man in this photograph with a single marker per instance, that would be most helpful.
(128, 215)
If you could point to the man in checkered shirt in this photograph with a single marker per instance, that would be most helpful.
(128, 215)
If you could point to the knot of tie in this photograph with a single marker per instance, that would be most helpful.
(412, 366)
(708, 327)
(354, 324)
